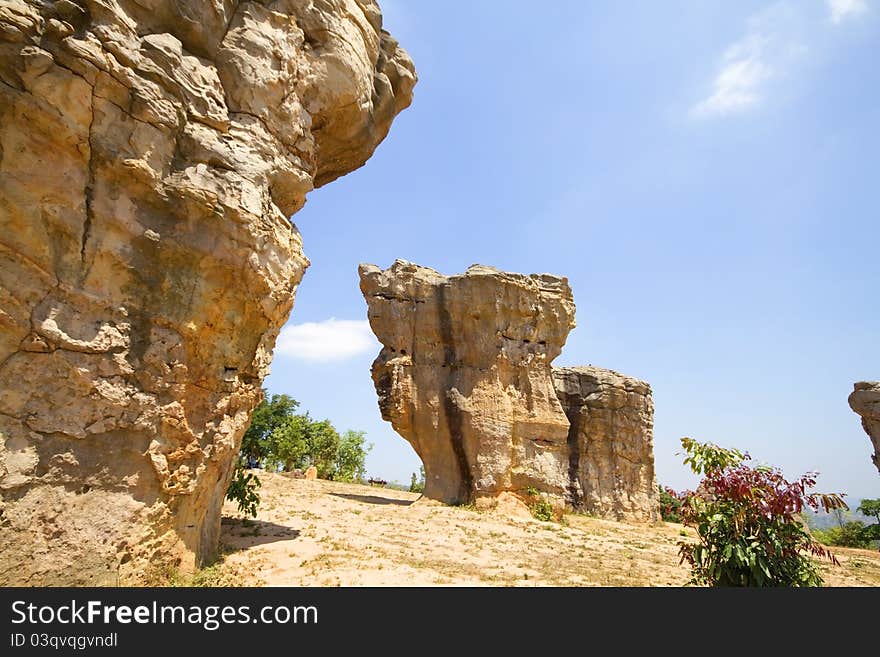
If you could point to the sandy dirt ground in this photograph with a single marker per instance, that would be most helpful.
(322, 533)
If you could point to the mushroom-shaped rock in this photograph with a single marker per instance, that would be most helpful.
(151, 153)
(865, 400)
(464, 375)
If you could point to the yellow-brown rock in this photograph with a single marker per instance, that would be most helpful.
(610, 443)
(865, 400)
(464, 375)
(151, 153)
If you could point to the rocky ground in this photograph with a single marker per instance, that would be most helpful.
(321, 533)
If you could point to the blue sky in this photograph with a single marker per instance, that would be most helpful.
(704, 172)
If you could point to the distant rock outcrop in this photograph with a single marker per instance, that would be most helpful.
(464, 375)
(151, 153)
(610, 443)
(865, 400)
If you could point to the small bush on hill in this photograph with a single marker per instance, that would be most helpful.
(852, 534)
(540, 507)
(670, 504)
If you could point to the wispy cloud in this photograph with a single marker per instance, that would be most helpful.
(327, 341)
(768, 49)
(843, 9)
(739, 84)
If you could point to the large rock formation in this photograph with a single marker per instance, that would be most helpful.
(611, 443)
(464, 375)
(865, 400)
(151, 153)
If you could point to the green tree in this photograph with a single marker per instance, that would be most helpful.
(851, 534)
(840, 515)
(323, 445)
(278, 438)
(418, 485)
(703, 458)
(871, 508)
(255, 450)
(351, 456)
(270, 414)
(748, 522)
(288, 444)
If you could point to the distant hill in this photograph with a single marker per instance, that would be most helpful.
(822, 520)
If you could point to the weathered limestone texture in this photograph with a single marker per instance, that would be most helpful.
(865, 400)
(611, 443)
(151, 153)
(464, 376)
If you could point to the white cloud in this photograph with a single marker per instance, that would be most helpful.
(768, 49)
(842, 9)
(327, 341)
(738, 85)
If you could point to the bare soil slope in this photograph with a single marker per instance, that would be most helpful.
(322, 533)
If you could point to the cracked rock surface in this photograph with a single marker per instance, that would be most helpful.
(865, 400)
(151, 153)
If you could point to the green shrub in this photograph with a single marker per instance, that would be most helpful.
(748, 522)
(670, 504)
(243, 490)
(852, 534)
(539, 506)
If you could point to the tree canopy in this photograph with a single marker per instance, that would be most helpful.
(280, 439)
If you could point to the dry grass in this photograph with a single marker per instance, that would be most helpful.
(321, 533)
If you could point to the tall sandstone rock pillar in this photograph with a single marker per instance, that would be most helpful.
(610, 443)
(464, 376)
(865, 400)
(151, 153)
